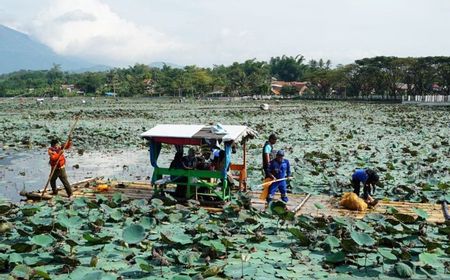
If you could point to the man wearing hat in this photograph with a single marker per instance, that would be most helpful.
(278, 169)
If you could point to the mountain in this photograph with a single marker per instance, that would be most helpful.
(20, 52)
(160, 64)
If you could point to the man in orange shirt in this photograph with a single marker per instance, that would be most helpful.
(57, 159)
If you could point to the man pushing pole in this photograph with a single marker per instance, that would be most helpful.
(58, 162)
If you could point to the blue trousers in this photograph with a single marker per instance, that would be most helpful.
(282, 187)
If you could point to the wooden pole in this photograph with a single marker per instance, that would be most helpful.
(273, 181)
(297, 208)
(59, 155)
(243, 184)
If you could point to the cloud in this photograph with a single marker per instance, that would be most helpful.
(90, 29)
(76, 15)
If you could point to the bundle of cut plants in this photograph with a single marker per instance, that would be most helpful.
(351, 201)
(102, 188)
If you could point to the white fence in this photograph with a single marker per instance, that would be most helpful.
(426, 99)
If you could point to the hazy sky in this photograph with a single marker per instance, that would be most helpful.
(208, 32)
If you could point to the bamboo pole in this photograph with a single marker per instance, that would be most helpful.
(59, 155)
(298, 207)
(273, 181)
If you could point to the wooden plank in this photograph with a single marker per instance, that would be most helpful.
(332, 208)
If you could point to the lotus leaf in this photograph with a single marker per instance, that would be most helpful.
(181, 277)
(22, 271)
(21, 247)
(341, 220)
(69, 223)
(116, 215)
(405, 218)
(147, 222)
(235, 270)
(387, 254)
(15, 258)
(43, 240)
(176, 237)
(403, 270)
(217, 245)
(188, 258)
(421, 213)
(29, 210)
(5, 207)
(335, 258)
(429, 259)
(133, 234)
(212, 271)
(362, 239)
(94, 239)
(278, 208)
(38, 273)
(300, 236)
(332, 241)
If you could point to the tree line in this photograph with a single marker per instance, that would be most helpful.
(382, 75)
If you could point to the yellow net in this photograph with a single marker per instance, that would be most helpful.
(351, 201)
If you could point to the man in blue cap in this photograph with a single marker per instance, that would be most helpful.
(278, 169)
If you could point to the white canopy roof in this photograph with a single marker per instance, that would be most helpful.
(230, 133)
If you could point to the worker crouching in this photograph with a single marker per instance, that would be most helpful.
(368, 178)
(58, 162)
(279, 169)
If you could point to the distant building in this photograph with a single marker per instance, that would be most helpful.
(217, 93)
(436, 88)
(403, 88)
(276, 86)
(68, 87)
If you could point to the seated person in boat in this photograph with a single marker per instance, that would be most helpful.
(177, 163)
(368, 178)
(190, 161)
(202, 160)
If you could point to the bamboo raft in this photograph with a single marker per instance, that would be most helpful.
(298, 203)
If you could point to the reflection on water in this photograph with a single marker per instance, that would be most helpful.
(29, 170)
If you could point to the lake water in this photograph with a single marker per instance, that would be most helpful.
(29, 170)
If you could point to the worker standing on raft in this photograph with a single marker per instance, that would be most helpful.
(56, 154)
(279, 169)
(267, 153)
(368, 178)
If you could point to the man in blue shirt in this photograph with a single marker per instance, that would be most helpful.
(279, 168)
(267, 153)
(368, 178)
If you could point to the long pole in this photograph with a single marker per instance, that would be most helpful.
(273, 181)
(59, 155)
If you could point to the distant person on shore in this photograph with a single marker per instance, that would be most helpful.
(279, 169)
(267, 153)
(368, 178)
(58, 161)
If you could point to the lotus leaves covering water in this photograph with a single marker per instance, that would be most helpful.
(107, 239)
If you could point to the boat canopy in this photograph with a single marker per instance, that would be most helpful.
(182, 134)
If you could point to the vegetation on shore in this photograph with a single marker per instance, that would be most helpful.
(385, 76)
